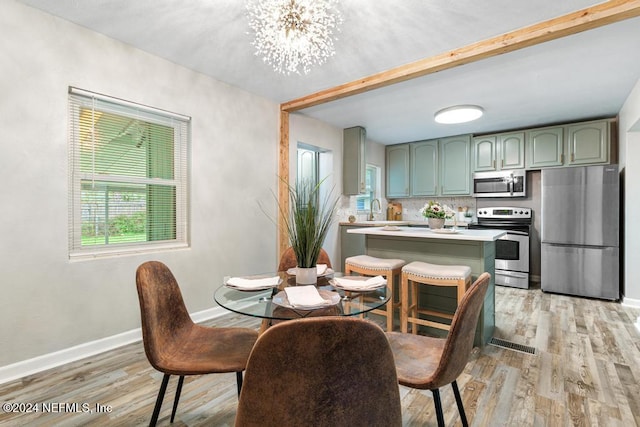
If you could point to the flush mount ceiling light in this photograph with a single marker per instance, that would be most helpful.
(293, 35)
(458, 114)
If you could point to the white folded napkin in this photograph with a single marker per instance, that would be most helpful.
(373, 282)
(244, 283)
(305, 296)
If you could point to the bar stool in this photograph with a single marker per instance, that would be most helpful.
(416, 273)
(390, 269)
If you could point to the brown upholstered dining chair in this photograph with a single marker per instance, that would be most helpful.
(320, 371)
(174, 344)
(288, 259)
(430, 363)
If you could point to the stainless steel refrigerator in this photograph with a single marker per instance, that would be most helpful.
(580, 231)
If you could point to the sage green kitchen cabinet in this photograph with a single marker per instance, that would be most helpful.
(545, 147)
(511, 150)
(354, 167)
(350, 244)
(397, 165)
(424, 168)
(484, 153)
(498, 152)
(455, 165)
(588, 143)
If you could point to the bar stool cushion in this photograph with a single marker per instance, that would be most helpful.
(436, 271)
(373, 263)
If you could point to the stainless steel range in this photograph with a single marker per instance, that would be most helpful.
(512, 250)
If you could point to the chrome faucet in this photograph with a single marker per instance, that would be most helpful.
(371, 208)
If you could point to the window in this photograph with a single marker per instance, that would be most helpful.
(128, 176)
(372, 188)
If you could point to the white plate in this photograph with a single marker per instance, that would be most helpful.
(337, 284)
(390, 228)
(281, 299)
(294, 270)
(445, 231)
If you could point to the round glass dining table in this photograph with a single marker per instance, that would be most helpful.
(270, 303)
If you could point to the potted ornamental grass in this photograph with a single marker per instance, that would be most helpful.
(436, 214)
(308, 219)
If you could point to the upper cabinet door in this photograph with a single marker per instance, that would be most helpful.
(545, 147)
(484, 153)
(397, 170)
(424, 168)
(588, 143)
(354, 167)
(455, 165)
(511, 147)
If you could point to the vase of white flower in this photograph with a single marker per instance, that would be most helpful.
(435, 223)
(436, 214)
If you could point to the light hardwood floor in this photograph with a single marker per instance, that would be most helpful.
(585, 372)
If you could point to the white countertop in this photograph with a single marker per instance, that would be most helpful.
(488, 235)
(382, 223)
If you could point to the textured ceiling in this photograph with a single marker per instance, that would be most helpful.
(583, 76)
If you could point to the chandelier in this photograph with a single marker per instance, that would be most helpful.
(293, 35)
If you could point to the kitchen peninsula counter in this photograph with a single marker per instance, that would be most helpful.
(475, 248)
(488, 235)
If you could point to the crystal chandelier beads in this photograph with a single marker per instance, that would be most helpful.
(294, 35)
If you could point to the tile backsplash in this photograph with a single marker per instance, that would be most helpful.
(410, 207)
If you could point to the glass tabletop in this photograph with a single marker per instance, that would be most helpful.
(272, 303)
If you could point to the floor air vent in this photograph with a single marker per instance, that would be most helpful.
(512, 346)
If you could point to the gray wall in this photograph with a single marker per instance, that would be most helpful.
(49, 303)
(629, 130)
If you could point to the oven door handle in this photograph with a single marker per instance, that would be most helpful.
(514, 274)
(517, 233)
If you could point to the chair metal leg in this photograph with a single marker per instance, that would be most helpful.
(177, 398)
(438, 405)
(156, 409)
(239, 381)
(456, 393)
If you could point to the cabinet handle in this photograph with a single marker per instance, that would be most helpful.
(501, 163)
(562, 158)
(572, 158)
(494, 164)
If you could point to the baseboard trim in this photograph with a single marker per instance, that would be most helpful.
(634, 303)
(32, 366)
(631, 302)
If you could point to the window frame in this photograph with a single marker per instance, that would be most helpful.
(181, 125)
(363, 201)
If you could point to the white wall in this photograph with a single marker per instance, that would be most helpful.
(319, 134)
(49, 303)
(630, 160)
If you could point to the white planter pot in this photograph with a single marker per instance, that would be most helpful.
(307, 276)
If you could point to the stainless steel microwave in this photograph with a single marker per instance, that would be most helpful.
(508, 183)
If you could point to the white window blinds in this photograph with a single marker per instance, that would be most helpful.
(127, 176)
